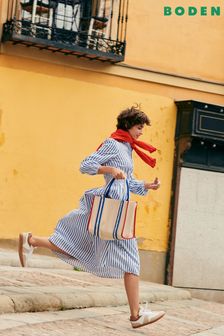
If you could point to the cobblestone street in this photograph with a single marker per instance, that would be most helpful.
(185, 317)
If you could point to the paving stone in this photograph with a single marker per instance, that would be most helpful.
(6, 304)
(218, 331)
(35, 302)
(115, 321)
(5, 325)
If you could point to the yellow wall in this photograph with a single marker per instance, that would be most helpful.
(52, 116)
(187, 45)
(49, 123)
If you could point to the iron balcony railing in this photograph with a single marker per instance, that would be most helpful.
(95, 29)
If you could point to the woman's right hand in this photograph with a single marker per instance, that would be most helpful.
(115, 172)
(118, 173)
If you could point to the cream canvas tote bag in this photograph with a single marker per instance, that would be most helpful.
(112, 219)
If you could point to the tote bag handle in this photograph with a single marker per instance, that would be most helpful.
(126, 189)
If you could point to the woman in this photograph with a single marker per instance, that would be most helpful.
(71, 241)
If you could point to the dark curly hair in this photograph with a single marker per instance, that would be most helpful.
(130, 117)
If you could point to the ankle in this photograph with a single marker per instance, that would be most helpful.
(31, 240)
(135, 315)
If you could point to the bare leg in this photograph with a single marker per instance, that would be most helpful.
(44, 242)
(131, 283)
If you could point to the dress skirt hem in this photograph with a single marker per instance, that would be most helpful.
(100, 271)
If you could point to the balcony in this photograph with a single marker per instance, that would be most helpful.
(94, 29)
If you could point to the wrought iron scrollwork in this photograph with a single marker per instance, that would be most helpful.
(90, 28)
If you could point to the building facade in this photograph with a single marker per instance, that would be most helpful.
(67, 68)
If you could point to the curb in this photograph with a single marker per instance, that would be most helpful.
(59, 298)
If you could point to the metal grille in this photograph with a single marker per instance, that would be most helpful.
(90, 28)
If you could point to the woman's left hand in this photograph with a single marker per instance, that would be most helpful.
(154, 185)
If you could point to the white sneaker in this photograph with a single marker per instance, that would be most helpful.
(25, 249)
(147, 316)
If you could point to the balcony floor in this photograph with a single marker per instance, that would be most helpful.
(67, 48)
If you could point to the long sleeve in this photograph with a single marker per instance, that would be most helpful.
(109, 150)
(137, 186)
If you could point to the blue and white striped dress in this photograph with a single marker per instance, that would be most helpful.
(109, 259)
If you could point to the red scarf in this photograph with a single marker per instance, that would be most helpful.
(121, 135)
